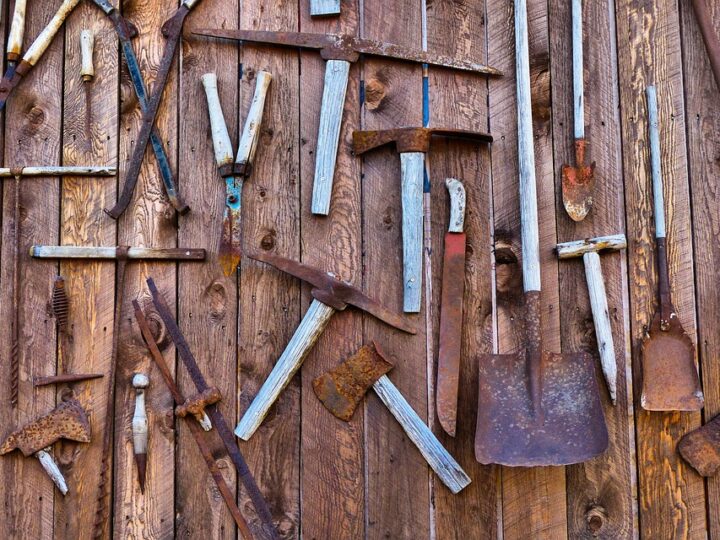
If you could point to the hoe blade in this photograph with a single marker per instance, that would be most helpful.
(572, 428)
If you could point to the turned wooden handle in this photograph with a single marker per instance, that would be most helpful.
(251, 130)
(36, 50)
(220, 136)
(323, 8)
(140, 382)
(412, 170)
(456, 190)
(87, 45)
(17, 31)
(331, 112)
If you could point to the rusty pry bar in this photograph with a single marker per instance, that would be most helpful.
(66, 378)
(214, 413)
(60, 304)
(171, 31)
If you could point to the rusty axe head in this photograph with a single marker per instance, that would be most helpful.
(411, 139)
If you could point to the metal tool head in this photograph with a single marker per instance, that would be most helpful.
(411, 139)
(337, 294)
(578, 184)
(66, 421)
(342, 388)
(701, 448)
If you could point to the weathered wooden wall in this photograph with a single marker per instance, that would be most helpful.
(325, 479)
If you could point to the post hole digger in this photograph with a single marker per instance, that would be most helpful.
(535, 407)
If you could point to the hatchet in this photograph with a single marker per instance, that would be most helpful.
(330, 295)
(339, 51)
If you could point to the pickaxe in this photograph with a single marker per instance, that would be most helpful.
(342, 388)
(339, 51)
(330, 295)
(412, 144)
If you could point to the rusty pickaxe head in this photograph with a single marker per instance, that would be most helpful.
(412, 139)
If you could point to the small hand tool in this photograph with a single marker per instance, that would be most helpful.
(330, 294)
(324, 8)
(588, 249)
(412, 144)
(342, 388)
(172, 32)
(32, 55)
(451, 310)
(60, 304)
(195, 405)
(670, 377)
(125, 31)
(339, 51)
(66, 378)
(66, 421)
(87, 72)
(122, 254)
(18, 173)
(15, 38)
(535, 407)
(701, 448)
(710, 37)
(221, 426)
(578, 182)
(140, 382)
(234, 173)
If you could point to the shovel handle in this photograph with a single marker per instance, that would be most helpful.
(655, 162)
(412, 169)
(17, 31)
(220, 136)
(578, 69)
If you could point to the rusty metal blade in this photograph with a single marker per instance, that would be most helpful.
(230, 238)
(451, 313)
(141, 462)
(578, 184)
(701, 448)
(301, 40)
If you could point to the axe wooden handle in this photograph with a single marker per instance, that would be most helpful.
(17, 31)
(41, 43)
(94, 252)
(412, 170)
(323, 8)
(48, 463)
(331, 111)
(87, 45)
(220, 136)
(251, 129)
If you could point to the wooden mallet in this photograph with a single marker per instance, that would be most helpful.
(589, 249)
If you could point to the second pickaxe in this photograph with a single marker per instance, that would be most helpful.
(412, 144)
(330, 295)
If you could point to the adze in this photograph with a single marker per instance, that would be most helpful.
(234, 173)
(339, 51)
(342, 388)
(329, 295)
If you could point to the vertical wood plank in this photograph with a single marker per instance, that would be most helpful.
(672, 496)
(460, 100)
(332, 456)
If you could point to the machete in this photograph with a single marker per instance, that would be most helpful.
(171, 31)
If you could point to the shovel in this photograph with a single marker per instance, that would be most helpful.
(670, 378)
(535, 407)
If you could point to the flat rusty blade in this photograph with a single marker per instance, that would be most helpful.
(578, 184)
(701, 448)
(301, 40)
(141, 462)
(230, 238)
(451, 315)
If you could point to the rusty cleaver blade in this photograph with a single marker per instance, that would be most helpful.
(451, 310)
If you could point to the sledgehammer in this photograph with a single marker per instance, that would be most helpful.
(589, 249)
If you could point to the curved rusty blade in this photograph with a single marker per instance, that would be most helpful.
(701, 448)
(578, 184)
(709, 35)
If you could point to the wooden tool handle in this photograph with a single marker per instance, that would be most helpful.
(80, 170)
(139, 421)
(313, 323)
(439, 459)
(655, 162)
(87, 45)
(190, 3)
(251, 129)
(412, 170)
(36, 50)
(220, 136)
(331, 112)
(96, 252)
(578, 69)
(17, 31)
(323, 8)
(456, 190)
(526, 154)
(48, 463)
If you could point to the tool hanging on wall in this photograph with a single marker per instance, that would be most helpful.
(451, 310)
(140, 382)
(18, 173)
(670, 377)
(207, 401)
(125, 31)
(324, 8)
(235, 172)
(339, 51)
(535, 407)
(13, 77)
(172, 32)
(588, 249)
(87, 73)
(701, 448)
(67, 421)
(59, 304)
(578, 183)
(412, 144)
(709, 35)
(330, 294)
(66, 378)
(15, 38)
(342, 388)
(121, 254)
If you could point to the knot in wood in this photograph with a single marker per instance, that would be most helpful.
(196, 404)
(374, 93)
(595, 518)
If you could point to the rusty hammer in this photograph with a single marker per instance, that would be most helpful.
(342, 388)
(412, 144)
(329, 295)
(66, 421)
(589, 249)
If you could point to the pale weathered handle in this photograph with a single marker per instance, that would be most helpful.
(220, 136)
(313, 323)
(439, 459)
(578, 69)
(323, 8)
(412, 170)
(139, 420)
(79, 170)
(456, 191)
(526, 155)
(48, 463)
(568, 250)
(17, 31)
(331, 112)
(601, 318)
(36, 50)
(251, 130)
(655, 162)
(190, 3)
(87, 45)
(95, 252)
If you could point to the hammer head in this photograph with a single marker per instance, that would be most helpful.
(342, 388)
(66, 421)
(411, 139)
(578, 248)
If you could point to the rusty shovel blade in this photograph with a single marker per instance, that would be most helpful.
(578, 184)
(701, 448)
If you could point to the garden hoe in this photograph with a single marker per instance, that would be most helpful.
(535, 407)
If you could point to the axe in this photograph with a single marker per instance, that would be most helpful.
(330, 295)
(341, 389)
